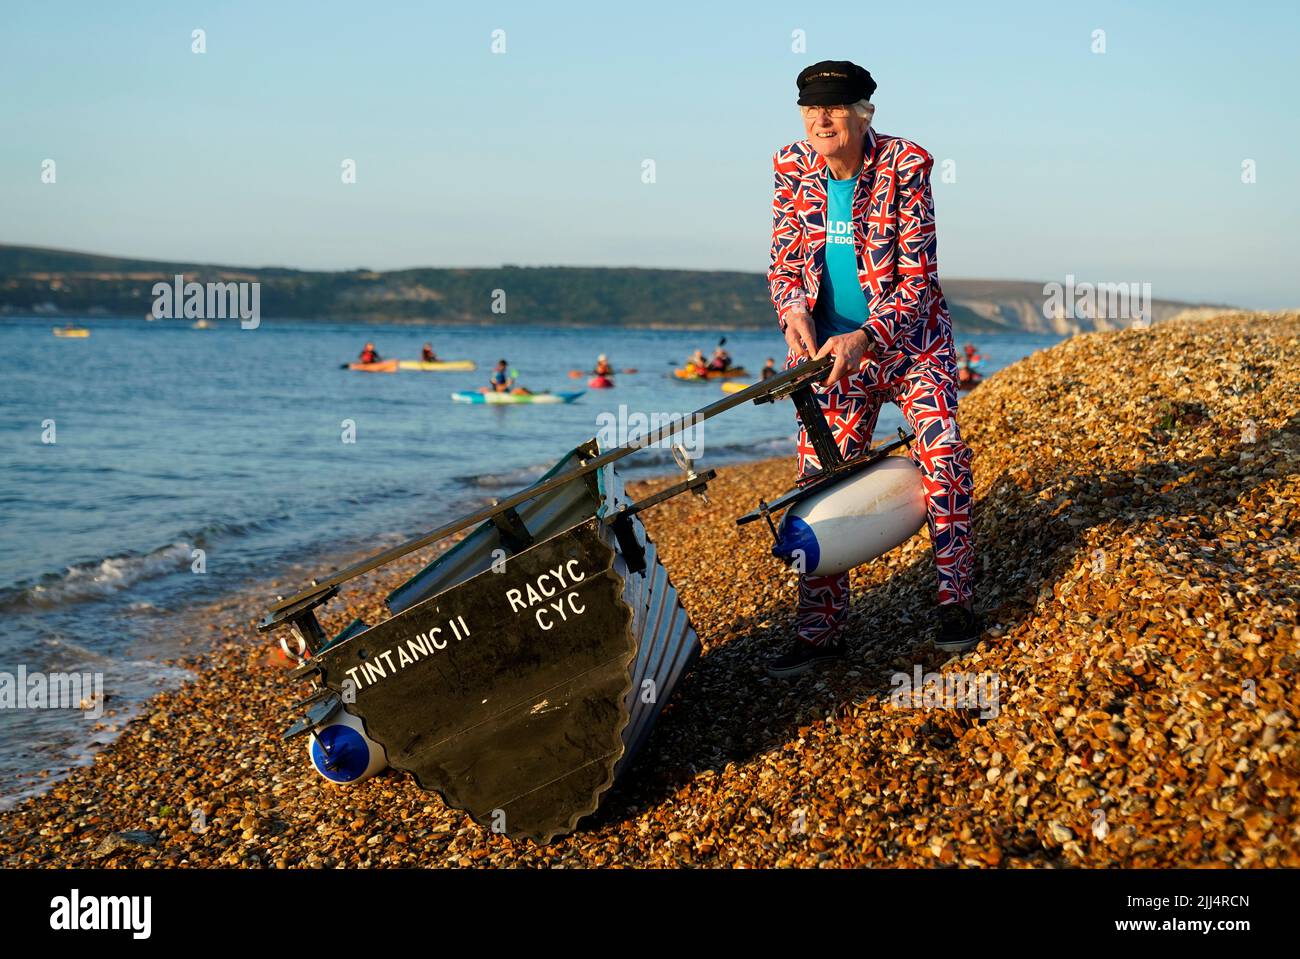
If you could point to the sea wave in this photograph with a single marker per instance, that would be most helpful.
(512, 478)
(97, 579)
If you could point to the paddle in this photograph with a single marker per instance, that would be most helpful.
(577, 374)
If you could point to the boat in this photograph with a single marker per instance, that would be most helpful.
(689, 373)
(383, 366)
(530, 661)
(520, 673)
(437, 366)
(203, 325)
(600, 383)
(71, 332)
(735, 387)
(470, 396)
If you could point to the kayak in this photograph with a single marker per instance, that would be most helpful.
(467, 397)
(76, 333)
(600, 383)
(383, 366)
(688, 374)
(437, 366)
(579, 374)
(735, 387)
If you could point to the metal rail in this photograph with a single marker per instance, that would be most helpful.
(792, 378)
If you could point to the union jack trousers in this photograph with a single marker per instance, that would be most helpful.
(927, 397)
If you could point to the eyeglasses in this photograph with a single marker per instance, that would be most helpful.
(833, 112)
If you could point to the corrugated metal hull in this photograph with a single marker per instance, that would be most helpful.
(572, 719)
(667, 646)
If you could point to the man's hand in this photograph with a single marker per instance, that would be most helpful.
(848, 350)
(800, 333)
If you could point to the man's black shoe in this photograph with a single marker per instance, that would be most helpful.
(803, 657)
(959, 629)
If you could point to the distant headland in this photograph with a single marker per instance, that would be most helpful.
(67, 283)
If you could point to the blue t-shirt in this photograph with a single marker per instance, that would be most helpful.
(841, 304)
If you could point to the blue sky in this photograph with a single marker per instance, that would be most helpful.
(1124, 165)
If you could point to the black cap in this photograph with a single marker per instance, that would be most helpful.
(832, 82)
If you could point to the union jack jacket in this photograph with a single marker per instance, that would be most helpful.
(893, 237)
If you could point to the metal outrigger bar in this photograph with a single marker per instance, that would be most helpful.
(795, 382)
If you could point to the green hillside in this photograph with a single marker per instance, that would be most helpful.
(61, 282)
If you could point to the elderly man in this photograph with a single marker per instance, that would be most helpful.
(853, 274)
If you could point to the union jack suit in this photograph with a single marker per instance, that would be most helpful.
(912, 361)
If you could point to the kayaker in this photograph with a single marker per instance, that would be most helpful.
(721, 360)
(968, 367)
(602, 366)
(427, 355)
(501, 379)
(769, 369)
(865, 290)
(369, 354)
(697, 364)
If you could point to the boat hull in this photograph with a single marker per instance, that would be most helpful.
(519, 679)
(689, 375)
(515, 399)
(437, 366)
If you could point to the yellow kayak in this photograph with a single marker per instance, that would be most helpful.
(73, 332)
(444, 366)
(687, 373)
(735, 387)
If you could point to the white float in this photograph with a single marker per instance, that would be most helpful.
(856, 520)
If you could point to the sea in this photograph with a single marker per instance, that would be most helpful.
(152, 468)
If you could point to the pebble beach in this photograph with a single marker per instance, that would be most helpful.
(1137, 504)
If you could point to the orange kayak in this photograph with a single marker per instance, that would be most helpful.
(383, 366)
